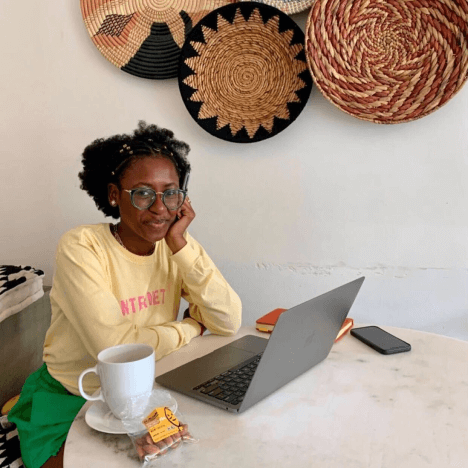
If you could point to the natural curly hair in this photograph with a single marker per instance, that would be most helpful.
(106, 160)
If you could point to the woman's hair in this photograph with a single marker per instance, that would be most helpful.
(106, 160)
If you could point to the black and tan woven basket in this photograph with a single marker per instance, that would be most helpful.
(290, 7)
(243, 74)
(388, 61)
(144, 37)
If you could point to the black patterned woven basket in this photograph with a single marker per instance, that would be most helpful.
(243, 74)
(144, 37)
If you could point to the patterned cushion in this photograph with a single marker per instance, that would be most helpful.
(10, 455)
(19, 287)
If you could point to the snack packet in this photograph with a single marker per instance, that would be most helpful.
(159, 429)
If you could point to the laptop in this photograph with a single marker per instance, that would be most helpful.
(240, 374)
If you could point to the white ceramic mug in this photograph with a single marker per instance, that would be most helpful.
(126, 373)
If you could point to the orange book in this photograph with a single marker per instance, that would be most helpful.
(267, 323)
(346, 326)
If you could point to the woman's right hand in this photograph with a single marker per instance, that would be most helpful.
(175, 235)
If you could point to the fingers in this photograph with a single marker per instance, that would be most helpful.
(186, 209)
(188, 203)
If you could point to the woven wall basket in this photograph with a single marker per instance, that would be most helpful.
(290, 7)
(243, 74)
(144, 37)
(388, 61)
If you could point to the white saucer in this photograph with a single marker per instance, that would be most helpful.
(99, 417)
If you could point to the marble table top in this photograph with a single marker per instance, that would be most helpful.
(356, 409)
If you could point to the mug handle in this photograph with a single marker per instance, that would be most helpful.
(80, 385)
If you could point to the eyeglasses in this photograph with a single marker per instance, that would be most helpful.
(142, 198)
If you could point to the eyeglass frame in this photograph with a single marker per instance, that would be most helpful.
(131, 192)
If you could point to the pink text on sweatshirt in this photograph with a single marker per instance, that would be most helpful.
(135, 304)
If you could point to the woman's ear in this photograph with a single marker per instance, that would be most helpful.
(113, 194)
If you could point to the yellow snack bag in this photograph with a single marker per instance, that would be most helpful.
(161, 423)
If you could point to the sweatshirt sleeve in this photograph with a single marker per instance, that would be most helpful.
(83, 293)
(212, 301)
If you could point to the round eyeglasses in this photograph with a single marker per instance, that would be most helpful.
(142, 198)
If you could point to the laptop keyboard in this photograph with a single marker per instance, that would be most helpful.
(230, 386)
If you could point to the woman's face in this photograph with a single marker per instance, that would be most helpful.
(149, 225)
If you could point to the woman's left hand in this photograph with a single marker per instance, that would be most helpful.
(175, 235)
(188, 315)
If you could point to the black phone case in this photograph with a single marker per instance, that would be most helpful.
(184, 187)
(401, 349)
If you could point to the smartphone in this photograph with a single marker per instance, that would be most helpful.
(185, 183)
(186, 180)
(380, 340)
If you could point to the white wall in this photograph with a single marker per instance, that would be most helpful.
(325, 201)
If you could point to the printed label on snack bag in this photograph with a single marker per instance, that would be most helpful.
(161, 423)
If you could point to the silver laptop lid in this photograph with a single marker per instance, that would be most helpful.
(303, 337)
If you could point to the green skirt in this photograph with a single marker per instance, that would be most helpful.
(43, 416)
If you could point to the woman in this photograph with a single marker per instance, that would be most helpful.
(122, 283)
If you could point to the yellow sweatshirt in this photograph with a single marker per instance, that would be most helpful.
(103, 295)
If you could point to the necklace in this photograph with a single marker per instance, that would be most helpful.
(116, 235)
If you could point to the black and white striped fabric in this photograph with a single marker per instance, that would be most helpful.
(10, 455)
(19, 287)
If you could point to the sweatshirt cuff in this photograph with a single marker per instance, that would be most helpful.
(195, 327)
(186, 257)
